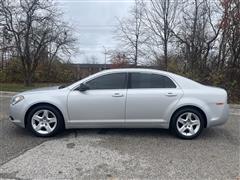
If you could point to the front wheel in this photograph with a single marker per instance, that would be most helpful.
(187, 123)
(44, 121)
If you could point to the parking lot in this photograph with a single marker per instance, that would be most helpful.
(119, 153)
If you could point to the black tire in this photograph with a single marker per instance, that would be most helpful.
(59, 125)
(175, 117)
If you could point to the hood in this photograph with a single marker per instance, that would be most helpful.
(41, 90)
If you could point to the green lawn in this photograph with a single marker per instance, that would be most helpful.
(15, 87)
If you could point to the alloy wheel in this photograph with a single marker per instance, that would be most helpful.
(188, 124)
(44, 122)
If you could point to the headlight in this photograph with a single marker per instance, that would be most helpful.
(17, 99)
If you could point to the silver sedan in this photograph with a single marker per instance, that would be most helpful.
(123, 98)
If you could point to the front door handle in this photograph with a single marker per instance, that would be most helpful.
(117, 95)
(170, 94)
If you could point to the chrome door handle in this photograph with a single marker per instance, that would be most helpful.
(170, 94)
(117, 95)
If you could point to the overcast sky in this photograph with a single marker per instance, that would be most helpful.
(94, 22)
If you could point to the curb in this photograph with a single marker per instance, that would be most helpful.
(235, 106)
(7, 93)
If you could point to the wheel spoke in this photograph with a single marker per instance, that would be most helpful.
(38, 127)
(195, 122)
(52, 120)
(182, 129)
(37, 118)
(182, 121)
(189, 116)
(48, 128)
(45, 113)
(191, 130)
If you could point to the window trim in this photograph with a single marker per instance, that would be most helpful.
(130, 80)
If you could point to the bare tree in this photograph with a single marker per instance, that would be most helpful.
(119, 59)
(197, 33)
(131, 32)
(230, 45)
(34, 25)
(5, 46)
(62, 45)
(161, 20)
(2, 46)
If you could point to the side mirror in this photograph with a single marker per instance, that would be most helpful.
(83, 87)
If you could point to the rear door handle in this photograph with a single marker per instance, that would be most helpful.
(170, 94)
(117, 95)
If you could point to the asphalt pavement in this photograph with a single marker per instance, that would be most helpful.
(14, 140)
(119, 153)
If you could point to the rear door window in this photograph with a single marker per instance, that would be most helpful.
(145, 80)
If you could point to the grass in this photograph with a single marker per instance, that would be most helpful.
(18, 87)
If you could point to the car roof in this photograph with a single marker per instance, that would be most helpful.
(136, 70)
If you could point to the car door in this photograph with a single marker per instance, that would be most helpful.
(103, 104)
(150, 99)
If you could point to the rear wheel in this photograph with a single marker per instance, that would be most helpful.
(187, 123)
(44, 121)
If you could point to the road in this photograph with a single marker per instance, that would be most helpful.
(119, 153)
(14, 140)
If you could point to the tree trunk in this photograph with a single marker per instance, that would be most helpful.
(28, 79)
(49, 68)
(136, 53)
(135, 61)
(166, 55)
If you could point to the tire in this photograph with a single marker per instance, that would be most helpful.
(45, 121)
(187, 123)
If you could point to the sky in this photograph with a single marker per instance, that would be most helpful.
(94, 23)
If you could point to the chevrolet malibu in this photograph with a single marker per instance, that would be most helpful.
(123, 98)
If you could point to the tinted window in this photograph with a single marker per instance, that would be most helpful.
(141, 80)
(110, 81)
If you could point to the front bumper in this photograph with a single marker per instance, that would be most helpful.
(16, 122)
(16, 115)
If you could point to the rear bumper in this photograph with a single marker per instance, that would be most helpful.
(221, 118)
